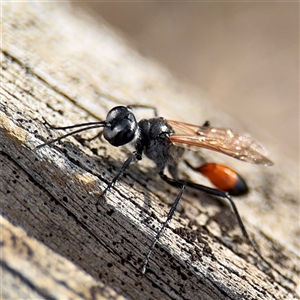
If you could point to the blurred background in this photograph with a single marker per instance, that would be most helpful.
(243, 56)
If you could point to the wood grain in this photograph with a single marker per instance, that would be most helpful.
(61, 65)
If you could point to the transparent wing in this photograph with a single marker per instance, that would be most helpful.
(226, 141)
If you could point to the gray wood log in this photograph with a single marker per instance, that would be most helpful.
(30, 270)
(61, 65)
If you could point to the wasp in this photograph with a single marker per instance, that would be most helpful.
(162, 141)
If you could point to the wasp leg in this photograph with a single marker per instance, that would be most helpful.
(126, 164)
(224, 195)
(181, 186)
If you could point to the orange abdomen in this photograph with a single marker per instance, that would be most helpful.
(224, 178)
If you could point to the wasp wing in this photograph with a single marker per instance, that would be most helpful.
(226, 141)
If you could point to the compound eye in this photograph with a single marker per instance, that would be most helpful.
(122, 126)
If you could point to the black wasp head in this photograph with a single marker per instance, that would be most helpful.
(120, 126)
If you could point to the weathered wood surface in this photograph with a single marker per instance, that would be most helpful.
(61, 65)
(26, 261)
